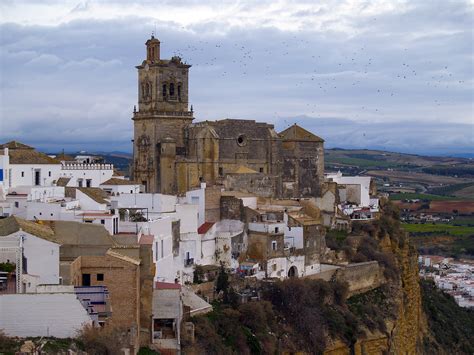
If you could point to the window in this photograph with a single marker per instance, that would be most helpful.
(49, 173)
(131, 191)
(274, 266)
(156, 251)
(79, 182)
(17, 204)
(179, 92)
(164, 90)
(171, 89)
(22, 174)
(274, 245)
(102, 221)
(37, 177)
(276, 229)
(86, 279)
(221, 172)
(100, 277)
(261, 170)
(242, 140)
(88, 182)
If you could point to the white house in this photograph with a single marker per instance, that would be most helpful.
(27, 167)
(32, 249)
(116, 186)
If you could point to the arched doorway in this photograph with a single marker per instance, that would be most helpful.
(293, 272)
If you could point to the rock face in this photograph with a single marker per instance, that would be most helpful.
(404, 334)
(410, 326)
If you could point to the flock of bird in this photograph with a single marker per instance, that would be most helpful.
(293, 62)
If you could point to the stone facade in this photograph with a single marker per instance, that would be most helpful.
(173, 155)
(130, 284)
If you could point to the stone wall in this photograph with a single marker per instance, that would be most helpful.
(360, 277)
(231, 208)
(122, 280)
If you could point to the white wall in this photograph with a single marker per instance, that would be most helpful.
(42, 256)
(267, 227)
(155, 203)
(88, 203)
(279, 267)
(24, 174)
(121, 189)
(198, 197)
(293, 235)
(188, 216)
(97, 173)
(4, 173)
(162, 248)
(36, 315)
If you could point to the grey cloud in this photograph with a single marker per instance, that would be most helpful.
(76, 83)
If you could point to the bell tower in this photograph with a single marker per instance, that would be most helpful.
(162, 115)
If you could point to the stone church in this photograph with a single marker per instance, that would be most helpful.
(172, 155)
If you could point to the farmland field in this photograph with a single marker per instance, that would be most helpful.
(439, 229)
(415, 196)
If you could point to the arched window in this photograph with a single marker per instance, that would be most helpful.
(179, 92)
(171, 89)
(164, 91)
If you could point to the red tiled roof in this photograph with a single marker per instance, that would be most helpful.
(205, 227)
(167, 286)
(146, 239)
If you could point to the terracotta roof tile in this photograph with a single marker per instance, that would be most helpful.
(205, 227)
(167, 286)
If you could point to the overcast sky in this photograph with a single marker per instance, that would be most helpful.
(393, 75)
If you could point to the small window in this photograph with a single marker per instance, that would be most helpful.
(221, 172)
(41, 213)
(49, 173)
(102, 221)
(276, 229)
(79, 182)
(164, 90)
(100, 277)
(131, 191)
(22, 174)
(261, 170)
(51, 215)
(274, 266)
(171, 89)
(88, 182)
(274, 245)
(242, 140)
(17, 204)
(179, 92)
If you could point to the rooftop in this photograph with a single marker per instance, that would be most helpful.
(167, 286)
(297, 133)
(205, 227)
(116, 181)
(20, 153)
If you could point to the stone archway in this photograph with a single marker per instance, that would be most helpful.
(293, 272)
